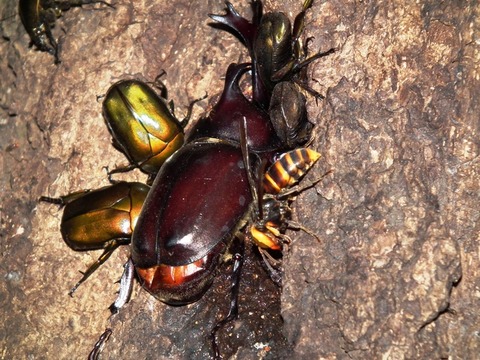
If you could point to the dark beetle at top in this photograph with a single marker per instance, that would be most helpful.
(39, 16)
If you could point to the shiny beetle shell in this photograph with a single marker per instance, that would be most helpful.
(289, 115)
(142, 124)
(100, 219)
(199, 200)
(272, 49)
(191, 206)
(223, 122)
(182, 284)
(91, 219)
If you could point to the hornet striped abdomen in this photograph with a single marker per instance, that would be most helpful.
(288, 169)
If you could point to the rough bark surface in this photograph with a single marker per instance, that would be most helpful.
(396, 274)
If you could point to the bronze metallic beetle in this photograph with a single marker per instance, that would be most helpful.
(100, 219)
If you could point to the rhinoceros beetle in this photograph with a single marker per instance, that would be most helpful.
(142, 124)
(39, 16)
(224, 120)
(198, 202)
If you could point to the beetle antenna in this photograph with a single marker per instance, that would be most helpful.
(246, 158)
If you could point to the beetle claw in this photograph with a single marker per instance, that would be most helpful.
(237, 258)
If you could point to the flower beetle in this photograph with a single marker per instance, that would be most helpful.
(274, 46)
(100, 219)
(39, 16)
(142, 124)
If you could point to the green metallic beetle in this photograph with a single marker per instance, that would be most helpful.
(143, 125)
(100, 219)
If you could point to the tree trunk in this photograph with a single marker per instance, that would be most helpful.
(396, 273)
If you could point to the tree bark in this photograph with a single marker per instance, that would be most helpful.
(397, 269)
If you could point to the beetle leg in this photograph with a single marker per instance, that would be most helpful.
(164, 94)
(57, 201)
(298, 28)
(186, 119)
(158, 83)
(238, 258)
(299, 22)
(65, 199)
(48, 16)
(109, 249)
(118, 170)
(98, 347)
(126, 287)
(247, 164)
(299, 66)
(306, 62)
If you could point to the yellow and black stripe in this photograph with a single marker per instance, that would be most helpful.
(288, 169)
